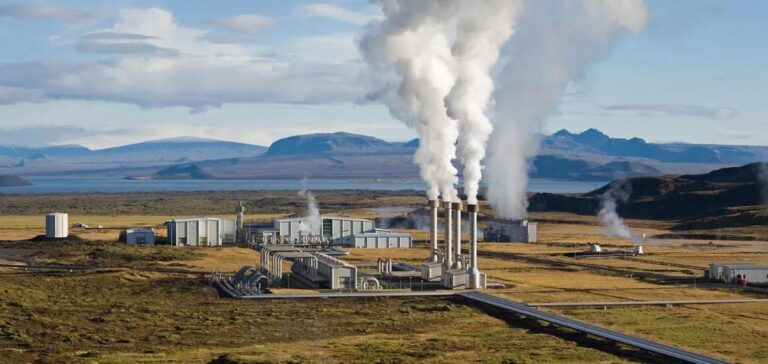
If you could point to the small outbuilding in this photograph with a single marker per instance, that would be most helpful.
(140, 236)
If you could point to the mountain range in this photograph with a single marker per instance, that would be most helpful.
(590, 155)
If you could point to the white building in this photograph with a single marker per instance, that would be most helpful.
(140, 236)
(378, 239)
(201, 231)
(56, 225)
(333, 227)
(728, 272)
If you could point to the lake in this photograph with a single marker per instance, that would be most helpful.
(109, 184)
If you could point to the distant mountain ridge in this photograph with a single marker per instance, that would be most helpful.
(339, 142)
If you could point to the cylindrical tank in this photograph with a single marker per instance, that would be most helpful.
(56, 225)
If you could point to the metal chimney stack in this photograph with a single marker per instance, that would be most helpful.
(433, 205)
(456, 263)
(240, 215)
(448, 257)
(474, 273)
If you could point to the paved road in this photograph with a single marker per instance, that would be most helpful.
(661, 349)
(644, 303)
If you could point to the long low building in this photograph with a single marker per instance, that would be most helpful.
(378, 239)
(333, 227)
(729, 272)
(201, 231)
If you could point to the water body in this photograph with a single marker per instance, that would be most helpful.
(110, 184)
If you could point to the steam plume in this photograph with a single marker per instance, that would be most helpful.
(412, 43)
(313, 213)
(613, 223)
(481, 31)
(555, 43)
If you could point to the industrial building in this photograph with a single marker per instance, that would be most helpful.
(140, 236)
(56, 225)
(334, 228)
(378, 239)
(512, 231)
(201, 231)
(731, 272)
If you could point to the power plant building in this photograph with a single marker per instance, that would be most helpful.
(56, 225)
(730, 272)
(201, 231)
(511, 231)
(378, 239)
(333, 227)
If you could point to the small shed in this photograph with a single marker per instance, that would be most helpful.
(140, 236)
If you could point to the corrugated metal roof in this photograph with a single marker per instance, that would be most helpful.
(305, 218)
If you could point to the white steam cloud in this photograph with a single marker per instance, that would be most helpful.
(555, 43)
(434, 63)
(614, 225)
(480, 34)
(313, 213)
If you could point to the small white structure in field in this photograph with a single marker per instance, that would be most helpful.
(595, 248)
(140, 236)
(56, 225)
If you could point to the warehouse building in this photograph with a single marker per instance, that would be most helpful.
(511, 231)
(378, 239)
(56, 225)
(140, 236)
(730, 272)
(201, 231)
(335, 228)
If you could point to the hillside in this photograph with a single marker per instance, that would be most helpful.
(339, 142)
(183, 172)
(13, 181)
(729, 196)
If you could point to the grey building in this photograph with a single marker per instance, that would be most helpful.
(378, 239)
(201, 231)
(329, 226)
(511, 231)
(728, 272)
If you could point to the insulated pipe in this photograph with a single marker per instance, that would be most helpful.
(433, 204)
(456, 264)
(474, 273)
(448, 258)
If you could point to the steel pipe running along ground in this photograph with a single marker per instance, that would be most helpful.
(456, 263)
(448, 257)
(615, 336)
(474, 273)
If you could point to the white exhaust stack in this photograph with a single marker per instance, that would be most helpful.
(448, 257)
(474, 273)
(456, 263)
(433, 205)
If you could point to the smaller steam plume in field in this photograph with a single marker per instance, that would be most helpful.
(613, 223)
(313, 213)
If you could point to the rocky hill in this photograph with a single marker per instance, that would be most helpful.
(183, 172)
(328, 143)
(738, 193)
(13, 181)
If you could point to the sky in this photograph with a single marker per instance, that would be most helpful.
(107, 73)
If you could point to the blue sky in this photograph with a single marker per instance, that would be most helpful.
(104, 73)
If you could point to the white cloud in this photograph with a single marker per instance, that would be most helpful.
(338, 13)
(48, 12)
(722, 113)
(172, 65)
(250, 24)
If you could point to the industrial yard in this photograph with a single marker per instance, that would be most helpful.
(97, 280)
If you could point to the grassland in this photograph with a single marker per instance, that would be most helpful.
(148, 317)
(132, 310)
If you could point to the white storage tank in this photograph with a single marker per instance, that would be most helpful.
(56, 225)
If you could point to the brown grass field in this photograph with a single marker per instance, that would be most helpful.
(124, 313)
